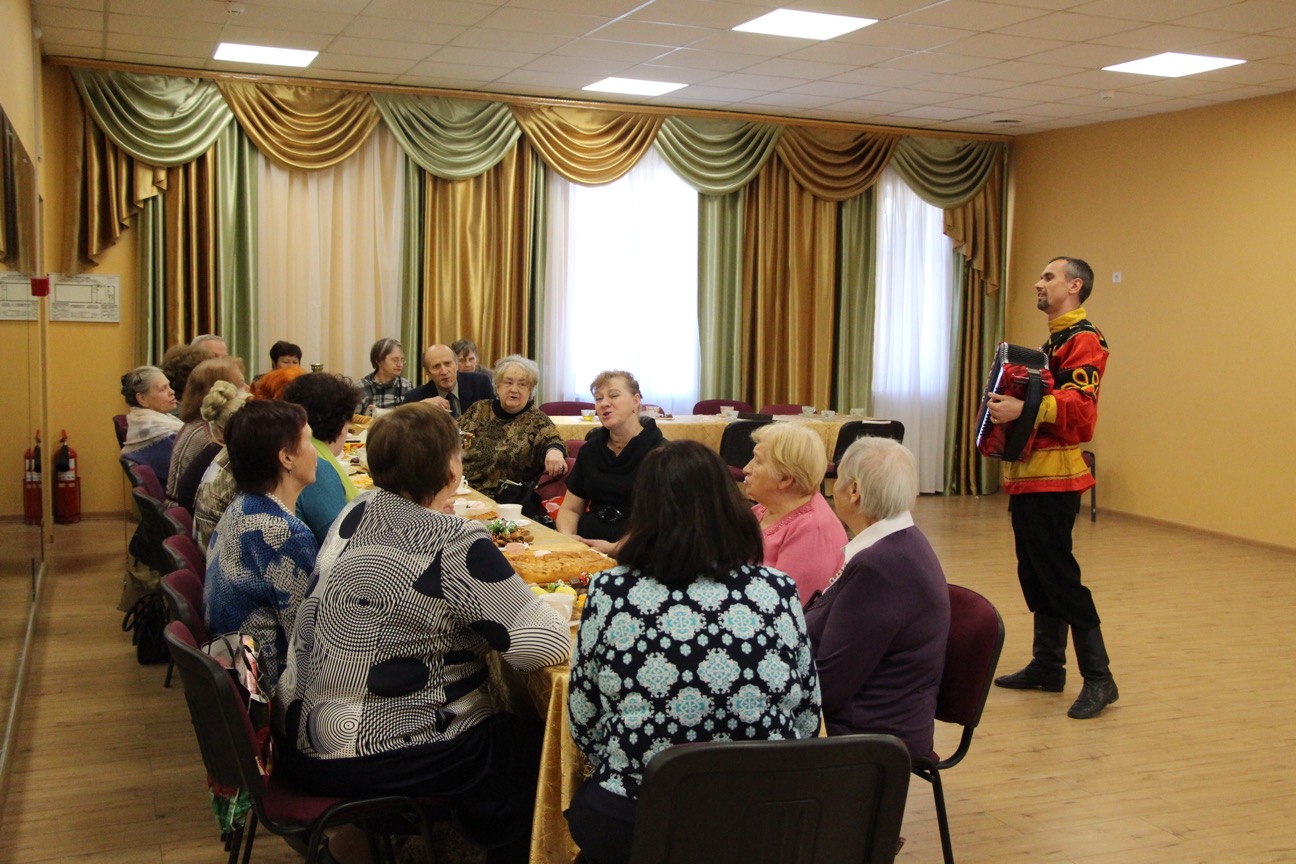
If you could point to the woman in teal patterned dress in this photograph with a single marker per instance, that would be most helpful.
(689, 639)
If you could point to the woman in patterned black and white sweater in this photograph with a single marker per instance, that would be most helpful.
(386, 686)
(689, 639)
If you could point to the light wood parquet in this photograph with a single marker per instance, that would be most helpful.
(1195, 763)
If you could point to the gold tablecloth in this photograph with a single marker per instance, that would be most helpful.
(709, 428)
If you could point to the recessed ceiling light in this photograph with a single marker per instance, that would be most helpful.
(804, 25)
(1172, 65)
(264, 55)
(634, 86)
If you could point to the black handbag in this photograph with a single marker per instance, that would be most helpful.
(511, 492)
(145, 622)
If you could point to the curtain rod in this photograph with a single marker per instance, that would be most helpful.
(512, 99)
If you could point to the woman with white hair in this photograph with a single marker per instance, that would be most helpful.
(879, 630)
(801, 534)
(512, 439)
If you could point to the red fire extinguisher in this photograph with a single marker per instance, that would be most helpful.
(67, 490)
(32, 484)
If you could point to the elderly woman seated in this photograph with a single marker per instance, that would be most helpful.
(151, 428)
(195, 438)
(689, 639)
(215, 489)
(261, 555)
(511, 439)
(879, 630)
(386, 688)
(329, 400)
(801, 534)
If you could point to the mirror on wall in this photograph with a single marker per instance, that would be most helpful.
(21, 548)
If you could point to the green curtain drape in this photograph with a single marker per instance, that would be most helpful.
(856, 296)
(945, 172)
(236, 241)
(716, 157)
(453, 139)
(413, 226)
(164, 120)
(720, 285)
(302, 127)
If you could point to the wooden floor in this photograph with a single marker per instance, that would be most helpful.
(1196, 763)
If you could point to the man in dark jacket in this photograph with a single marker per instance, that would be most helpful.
(447, 387)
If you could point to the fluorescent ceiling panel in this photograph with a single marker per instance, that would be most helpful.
(263, 55)
(1172, 65)
(804, 25)
(634, 86)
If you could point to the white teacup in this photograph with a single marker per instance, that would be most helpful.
(587, 414)
(509, 512)
(858, 412)
(728, 411)
(828, 414)
(807, 410)
(560, 603)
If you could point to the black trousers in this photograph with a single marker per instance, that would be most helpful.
(602, 824)
(1046, 568)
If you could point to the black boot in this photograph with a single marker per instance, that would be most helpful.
(1047, 669)
(1099, 688)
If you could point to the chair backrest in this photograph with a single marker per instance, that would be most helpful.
(565, 409)
(144, 476)
(119, 426)
(736, 444)
(852, 430)
(184, 554)
(184, 596)
(180, 520)
(780, 408)
(976, 637)
(712, 406)
(815, 801)
(574, 445)
(225, 734)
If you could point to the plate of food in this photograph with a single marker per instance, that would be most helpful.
(509, 535)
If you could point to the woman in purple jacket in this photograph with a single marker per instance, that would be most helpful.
(879, 630)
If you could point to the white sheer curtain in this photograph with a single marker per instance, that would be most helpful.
(915, 283)
(329, 268)
(621, 285)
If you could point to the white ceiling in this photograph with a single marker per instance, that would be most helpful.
(953, 65)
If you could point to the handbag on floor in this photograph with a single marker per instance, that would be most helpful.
(145, 621)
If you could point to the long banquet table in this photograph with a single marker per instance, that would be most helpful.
(709, 428)
(562, 766)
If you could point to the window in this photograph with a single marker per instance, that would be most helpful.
(621, 285)
(915, 273)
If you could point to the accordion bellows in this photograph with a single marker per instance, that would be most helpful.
(1023, 374)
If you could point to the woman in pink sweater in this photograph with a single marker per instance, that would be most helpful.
(803, 536)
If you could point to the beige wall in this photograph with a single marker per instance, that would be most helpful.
(19, 343)
(1195, 209)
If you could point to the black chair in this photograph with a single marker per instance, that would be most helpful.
(713, 406)
(144, 476)
(146, 542)
(1091, 462)
(976, 637)
(851, 431)
(183, 554)
(119, 427)
(818, 801)
(737, 446)
(180, 520)
(565, 409)
(229, 750)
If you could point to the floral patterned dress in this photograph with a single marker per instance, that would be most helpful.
(723, 658)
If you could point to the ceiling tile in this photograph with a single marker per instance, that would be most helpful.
(786, 68)
(73, 19)
(1250, 47)
(379, 48)
(937, 112)
(717, 15)
(850, 55)
(602, 8)
(66, 38)
(1020, 70)
(287, 19)
(1043, 92)
(97, 5)
(506, 40)
(1085, 55)
(987, 103)
(480, 57)
(961, 85)
(433, 70)
(185, 29)
(602, 49)
(279, 38)
(999, 46)
(151, 45)
(971, 15)
(1150, 10)
(173, 10)
(836, 89)
(374, 28)
(950, 65)
(1047, 5)
(1165, 37)
(759, 83)
(877, 76)
(1190, 86)
(1249, 16)
(674, 74)
(458, 12)
(1079, 28)
(686, 58)
(751, 43)
(908, 37)
(532, 21)
(798, 101)
(572, 82)
(651, 33)
(381, 66)
(588, 68)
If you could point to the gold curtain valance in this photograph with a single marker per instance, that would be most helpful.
(585, 145)
(833, 164)
(302, 127)
(976, 228)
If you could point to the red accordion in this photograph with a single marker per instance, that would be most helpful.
(1023, 374)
